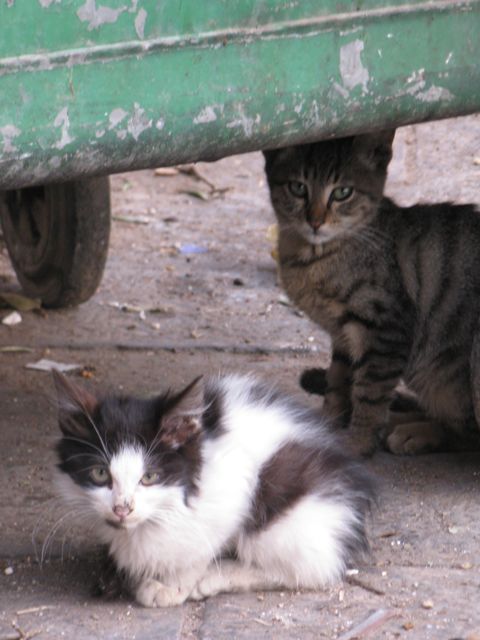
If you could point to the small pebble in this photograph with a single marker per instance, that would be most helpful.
(12, 319)
(408, 626)
(427, 604)
(8, 571)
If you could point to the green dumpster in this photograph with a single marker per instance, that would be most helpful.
(93, 87)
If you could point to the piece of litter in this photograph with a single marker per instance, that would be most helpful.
(283, 299)
(14, 349)
(19, 302)
(8, 571)
(476, 160)
(272, 233)
(132, 219)
(186, 249)
(43, 607)
(49, 365)
(427, 604)
(191, 170)
(264, 622)
(408, 626)
(351, 572)
(125, 306)
(12, 319)
(200, 195)
(87, 372)
(166, 171)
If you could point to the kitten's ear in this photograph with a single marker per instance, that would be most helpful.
(74, 402)
(183, 420)
(375, 149)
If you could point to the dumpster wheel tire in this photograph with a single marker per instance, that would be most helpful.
(57, 238)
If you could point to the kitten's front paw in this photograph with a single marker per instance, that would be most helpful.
(153, 593)
(209, 585)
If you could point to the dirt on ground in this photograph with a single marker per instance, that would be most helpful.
(191, 287)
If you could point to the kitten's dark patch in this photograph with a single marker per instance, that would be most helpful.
(298, 470)
(111, 583)
(212, 415)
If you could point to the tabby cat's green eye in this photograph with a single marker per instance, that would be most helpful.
(298, 189)
(341, 193)
(100, 476)
(149, 478)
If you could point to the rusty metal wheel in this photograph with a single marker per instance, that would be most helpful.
(57, 238)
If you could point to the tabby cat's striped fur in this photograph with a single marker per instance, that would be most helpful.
(397, 289)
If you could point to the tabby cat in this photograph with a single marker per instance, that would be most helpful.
(396, 288)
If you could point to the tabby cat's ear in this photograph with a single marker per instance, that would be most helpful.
(75, 406)
(274, 156)
(270, 155)
(375, 149)
(183, 420)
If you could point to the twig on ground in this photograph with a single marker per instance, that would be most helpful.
(357, 582)
(371, 623)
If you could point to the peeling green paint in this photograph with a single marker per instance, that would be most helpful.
(100, 86)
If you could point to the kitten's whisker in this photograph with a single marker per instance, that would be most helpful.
(49, 537)
(83, 455)
(53, 531)
(49, 507)
(102, 442)
(88, 444)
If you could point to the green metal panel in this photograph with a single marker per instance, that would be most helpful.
(97, 86)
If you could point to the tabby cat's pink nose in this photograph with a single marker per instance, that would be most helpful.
(122, 510)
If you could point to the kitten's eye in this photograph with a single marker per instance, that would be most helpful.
(149, 478)
(100, 476)
(298, 189)
(341, 193)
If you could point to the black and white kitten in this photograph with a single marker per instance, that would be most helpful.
(227, 466)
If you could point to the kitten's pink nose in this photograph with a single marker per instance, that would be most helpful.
(122, 510)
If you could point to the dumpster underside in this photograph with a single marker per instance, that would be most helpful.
(88, 89)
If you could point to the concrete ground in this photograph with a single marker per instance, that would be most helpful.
(191, 287)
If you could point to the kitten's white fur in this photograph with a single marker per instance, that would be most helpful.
(173, 549)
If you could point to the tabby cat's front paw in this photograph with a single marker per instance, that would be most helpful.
(337, 410)
(363, 442)
(413, 438)
(153, 593)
